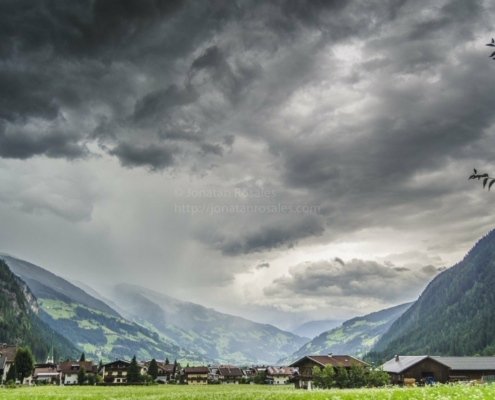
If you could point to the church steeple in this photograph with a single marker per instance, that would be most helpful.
(49, 358)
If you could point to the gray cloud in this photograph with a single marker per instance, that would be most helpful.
(263, 265)
(273, 234)
(26, 143)
(340, 261)
(215, 149)
(357, 279)
(154, 157)
(156, 103)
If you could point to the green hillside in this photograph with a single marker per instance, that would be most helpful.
(85, 321)
(47, 284)
(222, 337)
(20, 323)
(354, 337)
(454, 316)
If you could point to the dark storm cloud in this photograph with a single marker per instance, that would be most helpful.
(212, 149)
(273, 234)
(79, 28)
(62, 56)
(159, 101)
(263, 265)
(25, 94)
(352, 100)
(54, 144)
(152, 156)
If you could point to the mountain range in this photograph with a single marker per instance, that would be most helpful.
(222, 337)
(149, 324)
(312, 329)
(89, 323)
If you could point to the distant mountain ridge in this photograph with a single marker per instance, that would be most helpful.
(225, 338)
(455, 314)
(354, 337)
(312, 329)
(20, 323)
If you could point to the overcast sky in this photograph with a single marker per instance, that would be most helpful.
(283, 160)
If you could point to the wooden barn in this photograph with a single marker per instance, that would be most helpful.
(469, 368)
(440, 369)
(416, 367)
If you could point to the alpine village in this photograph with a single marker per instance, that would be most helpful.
(49, 327)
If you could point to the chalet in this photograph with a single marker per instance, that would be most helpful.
(7, 355)
(69, 370)
(47, 373)
(196, 375)
(440, 369)
(306, 364)
(228, 375)
(166, 372)
(115, 371)
(279, 375)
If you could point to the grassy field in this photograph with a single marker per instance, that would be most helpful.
(222, 392)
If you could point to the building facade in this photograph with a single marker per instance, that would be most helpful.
(196, 375)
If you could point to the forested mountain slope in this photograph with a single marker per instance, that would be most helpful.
(454, 316)
(354, 337)
(20, 324)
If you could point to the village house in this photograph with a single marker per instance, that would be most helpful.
(47, 373)
(213, 375)
(7, 355)
(228, 375)
(305, 365)
(440, 369)
(279, 375)
(166, 372)
(195, 375)
(256, 370)
(115, 371)
(69, 370)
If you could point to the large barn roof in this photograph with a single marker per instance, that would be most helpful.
(467, 363)
(454, 363)
(401, 363)
(334, 360)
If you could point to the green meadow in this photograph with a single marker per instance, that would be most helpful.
(224, 392)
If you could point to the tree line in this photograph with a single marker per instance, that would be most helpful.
(356, 377)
